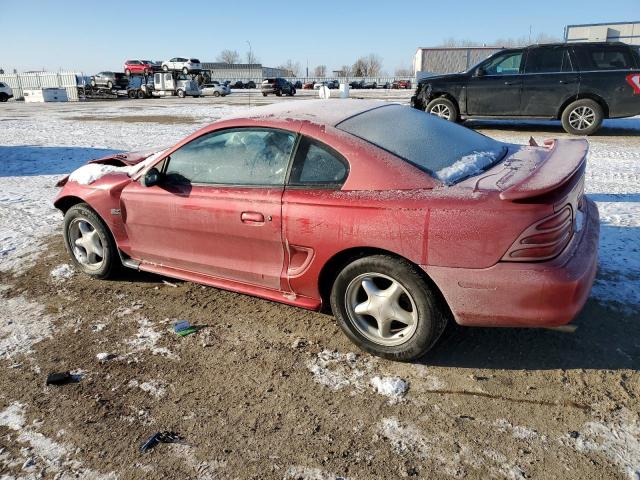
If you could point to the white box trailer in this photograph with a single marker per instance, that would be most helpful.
(166, 84)
(42, 95)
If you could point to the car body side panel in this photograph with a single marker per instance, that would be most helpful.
(613, 88)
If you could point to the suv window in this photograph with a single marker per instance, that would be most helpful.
(317, 164)
(604, 57)
(548, 59)
(505, 64)
(233, 157)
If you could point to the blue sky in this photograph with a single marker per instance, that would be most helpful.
(58, 34)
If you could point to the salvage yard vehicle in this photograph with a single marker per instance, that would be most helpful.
(320, 204)
(580, 84)
(166, 84)
(138, 67)
(184, 65)
(214, 89)
(5, 92)
(277, 86)
(110, 80)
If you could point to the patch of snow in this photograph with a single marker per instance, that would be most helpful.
(13, 416)
(87, 174)
(339, 370)
(392, 387)
(296, 472)
(62, 272)
(518, 431)
(105, 356)
(22, 324)
(147, 338)
(467, 166)
(618, 440)
(153, 388)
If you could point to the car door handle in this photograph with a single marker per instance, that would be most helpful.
(511, 83)
(564, 82)
(252, 217)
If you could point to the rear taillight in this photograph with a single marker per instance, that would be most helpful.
(544, 239)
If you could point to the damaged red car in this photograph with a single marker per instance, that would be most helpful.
(393, 219)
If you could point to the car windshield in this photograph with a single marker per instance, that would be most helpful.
(444, 150)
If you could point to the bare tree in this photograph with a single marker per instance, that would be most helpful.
(346, 70)
(369, 66)
(320, 71)
(252, 58)
(294, 68)
(228, 56)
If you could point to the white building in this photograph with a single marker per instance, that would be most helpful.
(438, 60)
(627, 32)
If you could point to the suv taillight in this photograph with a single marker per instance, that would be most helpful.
(544, 239)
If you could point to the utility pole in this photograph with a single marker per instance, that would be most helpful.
(250, 60)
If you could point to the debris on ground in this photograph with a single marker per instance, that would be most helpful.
(392, 387)
(161, 437)
(105, 356)
(299, 343)
(62, 272)
(184, 328)
(166, 282)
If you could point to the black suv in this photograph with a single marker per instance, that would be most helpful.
(578, 83)
(277, 86)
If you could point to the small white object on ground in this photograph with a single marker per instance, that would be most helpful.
(324, 92)
(62, 272)
(392, 387)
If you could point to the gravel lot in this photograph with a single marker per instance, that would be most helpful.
(268, 391)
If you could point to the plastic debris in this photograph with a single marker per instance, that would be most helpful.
(184, 328)
(60, 378)
(161, 437)
(170, 284)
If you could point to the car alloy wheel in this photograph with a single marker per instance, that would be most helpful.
(86, 244)
(582, 118)
(216, 94)
(127, 72)
(381, 309)
(441, 110)
(185, 70)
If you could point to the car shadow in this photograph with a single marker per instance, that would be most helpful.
(620, 127)
(608, 328)
(29, 160)
(614, 197)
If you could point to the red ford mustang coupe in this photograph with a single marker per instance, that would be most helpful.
(394, 219)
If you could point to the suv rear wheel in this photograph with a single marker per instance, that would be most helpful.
(384, 306)
(582, 117)
(444, 108)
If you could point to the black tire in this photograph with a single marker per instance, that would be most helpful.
(165, 68)
(278, 93)
(181, 93)
(109, 84)
(146, 71)
(216, 94)
(264, 94)
(4, 97)
(446, 108)
(431, 314)
(131, 94)
(591, 111)
(111, 260)
(93, 83)
(185, 70)
(127, 72)
(141, 94)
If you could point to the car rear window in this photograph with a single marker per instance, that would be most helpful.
(445, 150)
(194, 60)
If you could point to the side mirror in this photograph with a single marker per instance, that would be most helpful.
(480, 72)
(151, 178)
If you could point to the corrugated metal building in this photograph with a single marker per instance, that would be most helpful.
(243, 71)
(627, 32)
(430, 61)
(37, 80)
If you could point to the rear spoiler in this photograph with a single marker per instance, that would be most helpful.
(564, 159)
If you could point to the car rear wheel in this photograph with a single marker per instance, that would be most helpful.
(181, 93)
(443, 108)
(216, 94)
(185, 70)
(278, 93)
(582, 117)
(264, 94)
(141, 94)
(386, 307)
(93, 83)
(109, 84)
(89, 242)
(4, 97)
(127, 72)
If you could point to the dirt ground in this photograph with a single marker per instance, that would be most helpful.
(267, 391)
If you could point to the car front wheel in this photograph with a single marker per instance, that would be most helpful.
(443, 108)
(185, 70)
(582, 117)
(181, 93)
(386, 307)
(89, 242)
(216, 94)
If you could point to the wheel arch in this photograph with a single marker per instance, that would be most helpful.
(332, 268)
(582, 96)
(65, 203)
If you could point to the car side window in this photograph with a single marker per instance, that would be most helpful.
(506, 64)
(548, 60)
(245, 156)
(605, 57)
(317, 164)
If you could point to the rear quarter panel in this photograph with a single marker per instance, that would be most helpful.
(612, 86)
